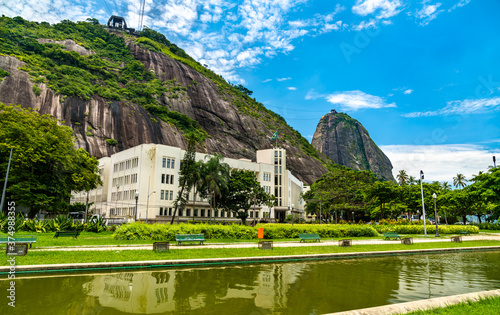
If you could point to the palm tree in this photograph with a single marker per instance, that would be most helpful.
(412, 180)
(402, 177)
(459, 181)
(196, 180)
(215, 177)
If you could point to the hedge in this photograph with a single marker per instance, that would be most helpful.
(419, 229)
(166, 232)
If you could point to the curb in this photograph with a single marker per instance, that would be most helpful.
(422, 305)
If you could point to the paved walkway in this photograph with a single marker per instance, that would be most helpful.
(324, 242)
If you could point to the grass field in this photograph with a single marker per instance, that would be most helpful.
(488, 306)
(67, 257)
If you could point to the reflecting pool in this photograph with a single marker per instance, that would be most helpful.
(286, 288)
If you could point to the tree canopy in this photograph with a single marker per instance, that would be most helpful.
(45, 165)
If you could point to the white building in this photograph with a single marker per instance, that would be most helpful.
(152, 172)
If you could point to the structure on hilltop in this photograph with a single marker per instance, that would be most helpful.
(118, 23)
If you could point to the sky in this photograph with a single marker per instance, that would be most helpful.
(423, 77)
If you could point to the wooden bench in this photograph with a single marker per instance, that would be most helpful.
(464, 233)
(190, 238)
(389, 235)
(67, 234)
(309, 236)
(29, 239)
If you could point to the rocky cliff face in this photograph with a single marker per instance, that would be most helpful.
(347, 142)
(232, 132)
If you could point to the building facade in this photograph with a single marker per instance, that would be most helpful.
(150, 172)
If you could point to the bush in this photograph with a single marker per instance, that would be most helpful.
(488, 226)
(167, 232)
(112, 141)
(419, 229)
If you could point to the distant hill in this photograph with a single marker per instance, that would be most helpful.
(347, 142)
(118, 90)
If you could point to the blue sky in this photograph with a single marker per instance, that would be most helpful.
(423, 77)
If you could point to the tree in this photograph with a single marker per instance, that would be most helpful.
(459, 181)
(487, 187)
(45, 166)
(382, 193)
(341, 189)
(195, 179)
(187, 168)
(215, 178)
(403, 178)
(242, 192)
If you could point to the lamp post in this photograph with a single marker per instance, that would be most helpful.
(423, 206)
(136, 200)
(435, 214)
(147, 205)
(353, 217)
(291, 211)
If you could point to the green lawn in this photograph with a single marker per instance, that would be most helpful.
(65, 257)
(488, 306)
(106, 238)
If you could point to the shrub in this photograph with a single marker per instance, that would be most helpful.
(419, 229)
(271, 231)
(111, 141)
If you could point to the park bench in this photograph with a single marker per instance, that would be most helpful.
(389, 235)
(464, 233)
(29, 239)
(309, 236)
(190, 238)
(67, 234)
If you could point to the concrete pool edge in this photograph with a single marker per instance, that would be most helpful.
(422, 305)
(203, 262)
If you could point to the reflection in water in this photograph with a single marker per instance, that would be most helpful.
(289, 288)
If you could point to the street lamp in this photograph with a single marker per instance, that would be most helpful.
(423, 206)
(147, 205)
(136, 200)
(353, 217)
(291, 211)
(435, 214)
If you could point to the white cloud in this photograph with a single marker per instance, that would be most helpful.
(384, 8)
(267, 80)
(459, 4)
(353, 100)
(428, 12)
(439, 162)
(408, 92)
(283, 79)
(292, 88)
(462, 107)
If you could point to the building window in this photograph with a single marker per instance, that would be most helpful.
(216, 213)
(164, 162)
(171, 179)
(180, 212)
(276, 153)
(162, 195)
(202, 212)
(171, 195)
(170, 211)
(173, 161)
(188, 212)
(168, 163)
(195, 212)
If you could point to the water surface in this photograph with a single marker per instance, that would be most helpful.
(286, 288)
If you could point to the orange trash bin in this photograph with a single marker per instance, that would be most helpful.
(261, 233)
